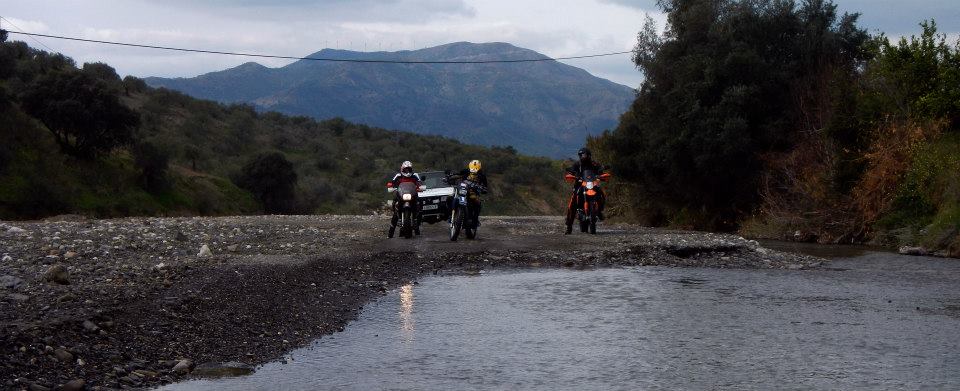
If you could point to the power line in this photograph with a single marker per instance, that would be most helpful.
(314, 58)
(24, 33)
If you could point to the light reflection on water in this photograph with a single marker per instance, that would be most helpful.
(406, 313)
(885, 323)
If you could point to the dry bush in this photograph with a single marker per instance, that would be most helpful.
(888, 159)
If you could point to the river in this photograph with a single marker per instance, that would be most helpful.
(871, 320)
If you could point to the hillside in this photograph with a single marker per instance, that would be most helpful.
(185, 155)
(541, 108)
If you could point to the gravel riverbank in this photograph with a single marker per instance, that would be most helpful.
(138, 302)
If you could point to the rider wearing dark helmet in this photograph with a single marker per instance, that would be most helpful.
(585, 162)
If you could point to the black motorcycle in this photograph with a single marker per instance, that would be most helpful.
(587, 199)
(464, 215)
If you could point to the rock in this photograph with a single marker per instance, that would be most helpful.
(183, 367)
(204, 251)
(16, 230)
(69, 296)
(145, 373)
(70, 254)
(11, 282)
(58, 274)
(37, 387)
(18, 297)
(90, 326)
(908, 250)
(7, 258)
(212, 369)
(232, 248)
(63, 355)
(181, 237)
(74, 385)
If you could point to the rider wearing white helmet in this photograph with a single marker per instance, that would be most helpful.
(406, 174)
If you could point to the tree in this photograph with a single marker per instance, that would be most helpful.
(83, 113)
(722, 88)
(153, 163)
(272, 180)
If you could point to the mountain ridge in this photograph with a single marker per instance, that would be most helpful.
(546, 108)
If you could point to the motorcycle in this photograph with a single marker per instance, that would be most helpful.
(463, 214)
(587, 198)
(406, 207)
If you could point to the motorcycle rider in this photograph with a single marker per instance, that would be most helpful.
(474, 173)
(584, 163)
(406, 174)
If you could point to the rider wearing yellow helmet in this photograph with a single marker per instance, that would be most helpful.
(474, 173)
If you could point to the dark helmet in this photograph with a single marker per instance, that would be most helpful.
(584, 152)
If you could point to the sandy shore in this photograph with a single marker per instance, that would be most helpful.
(138, 302)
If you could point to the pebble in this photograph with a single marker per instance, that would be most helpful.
(58, 274)
(204, 251)
(183, 367)
(70, 254)
(7, 258)
(10, 282)
(74, 385)
(90, 326)
(63, 355)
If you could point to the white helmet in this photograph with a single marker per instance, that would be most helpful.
(406, 168)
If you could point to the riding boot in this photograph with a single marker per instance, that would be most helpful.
(393, 225)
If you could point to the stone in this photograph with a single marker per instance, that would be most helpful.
(183, 367)
(18, 297)
(11, 282)
(227, 369)
(145, 373)
(232, 248)
(58, 274)
(16, 230)
(7, 258)
(63, 355)
(69, 296)
(90, 326)
(37, 387)
(204, 251)
(909, 250)
(70, 254)
(181, 237)
(74, 385)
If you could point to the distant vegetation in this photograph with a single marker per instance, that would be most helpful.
(82, 140)
(780, 118)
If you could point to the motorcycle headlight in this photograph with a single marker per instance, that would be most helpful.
(590, 185)
(407, 197)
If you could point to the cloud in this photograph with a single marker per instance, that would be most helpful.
(897, 17)
(649, 5)
(401, 11)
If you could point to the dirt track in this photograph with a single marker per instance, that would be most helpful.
(139, 299)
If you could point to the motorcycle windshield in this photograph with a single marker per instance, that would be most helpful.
(407, 188)
(589, 176)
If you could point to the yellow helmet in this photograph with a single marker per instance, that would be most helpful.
(474, 166)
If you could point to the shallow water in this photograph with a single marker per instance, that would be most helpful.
(884, 322)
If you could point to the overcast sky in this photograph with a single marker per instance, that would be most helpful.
(556, 28)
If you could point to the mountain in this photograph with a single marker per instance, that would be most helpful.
(543, 108)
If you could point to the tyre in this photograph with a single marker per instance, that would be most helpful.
(584, 225)
(456, 223)
(593, 218)
(406, 230)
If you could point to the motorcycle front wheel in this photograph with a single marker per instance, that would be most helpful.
(593, 218)
(406, 230)
(456, 223)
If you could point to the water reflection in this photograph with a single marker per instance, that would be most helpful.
(406, 313)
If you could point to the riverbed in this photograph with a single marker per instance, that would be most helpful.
(872, 320)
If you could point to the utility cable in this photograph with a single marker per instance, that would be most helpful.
(316, 58)
(24, 33)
